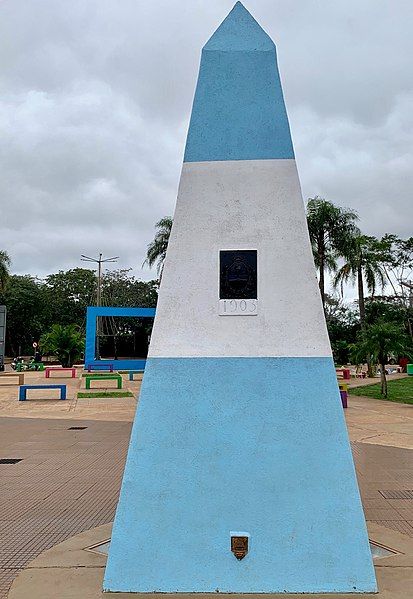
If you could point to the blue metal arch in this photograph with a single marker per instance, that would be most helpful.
(92, 312)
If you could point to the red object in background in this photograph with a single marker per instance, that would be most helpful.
(403, 363)
(346, 374)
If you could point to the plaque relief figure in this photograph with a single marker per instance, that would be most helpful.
(238, 274)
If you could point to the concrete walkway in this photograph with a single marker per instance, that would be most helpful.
(68, 481)
(380, 422)
(119, 409)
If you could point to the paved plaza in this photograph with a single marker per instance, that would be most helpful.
(68, 480)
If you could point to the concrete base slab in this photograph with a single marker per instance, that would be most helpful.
(71, 570)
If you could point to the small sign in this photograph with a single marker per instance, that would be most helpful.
(35, 344)
(238, 307)
(239, 547)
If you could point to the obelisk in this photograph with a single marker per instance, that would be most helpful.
(239, 476)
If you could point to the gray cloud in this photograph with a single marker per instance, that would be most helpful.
(97, 95)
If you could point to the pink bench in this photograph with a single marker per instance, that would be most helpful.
(49, 369)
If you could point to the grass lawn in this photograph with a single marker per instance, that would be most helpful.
(104, 394)
(400, 390)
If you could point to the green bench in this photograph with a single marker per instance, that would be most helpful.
(103, 377)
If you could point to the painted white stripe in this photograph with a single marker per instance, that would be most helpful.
(239, 205)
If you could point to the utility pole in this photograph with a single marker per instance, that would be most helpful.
(99, 261)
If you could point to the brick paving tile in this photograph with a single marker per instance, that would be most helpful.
(399, 525)
(68, 482)
(406, 514)
(376, 503)
(381, 514)
(401, 503)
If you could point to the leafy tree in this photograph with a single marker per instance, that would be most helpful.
(4, 269)
(33, 305)
(119, 288)
(363, 263)
(26, 313)
(68, 294)
(66, 342)
(397, 260)
(330, 228)
(126, 336)
(385, 309)
(156, 251)
(342, 325)
(390, 308)
(381, 341)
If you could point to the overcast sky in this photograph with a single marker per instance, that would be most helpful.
(96, 98)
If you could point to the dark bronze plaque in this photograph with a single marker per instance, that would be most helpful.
(238, 274)
(239, 546)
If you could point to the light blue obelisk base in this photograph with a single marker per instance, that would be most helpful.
(223, 445)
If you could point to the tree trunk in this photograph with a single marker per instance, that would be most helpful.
(362, 310)
(321, 282)
(362, 304)
(383, 380)
(390, 281)
(409, 324)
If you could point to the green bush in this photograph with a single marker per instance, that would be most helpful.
(64, 341)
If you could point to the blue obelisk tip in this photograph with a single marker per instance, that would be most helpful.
(238, 111)
(239, 31)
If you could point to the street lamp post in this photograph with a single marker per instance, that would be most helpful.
(99, 261)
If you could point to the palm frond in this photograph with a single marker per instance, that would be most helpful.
(156, 251)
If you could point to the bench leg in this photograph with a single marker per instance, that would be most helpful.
(47, 374)
(22, 394)
(63, 394)
(88, 381)
(119, 384)
(131, 376)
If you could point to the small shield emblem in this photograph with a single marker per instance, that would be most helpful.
(239, 546)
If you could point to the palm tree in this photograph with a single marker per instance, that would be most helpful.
(65, 341)
(4, 269)
(157, 248)
(362, 264)
(330, 228)
(380, 341)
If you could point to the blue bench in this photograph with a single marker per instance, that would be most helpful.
(23, 390)
(132, 372)
(102, 366)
